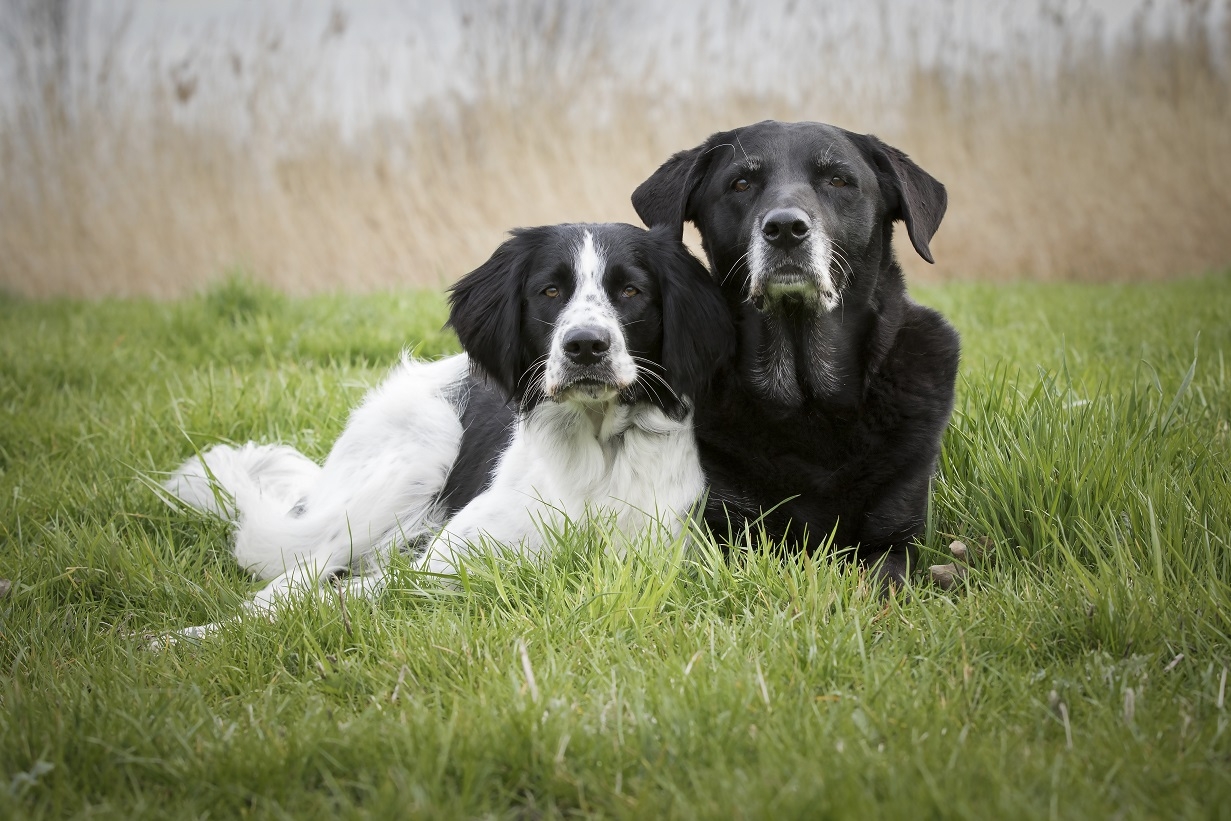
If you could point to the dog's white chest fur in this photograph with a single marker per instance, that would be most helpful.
(633, 466)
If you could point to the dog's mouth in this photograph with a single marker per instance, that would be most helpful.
(588, 375)
(586, 388)
(785, 283)
(791, 283)
(790, 279)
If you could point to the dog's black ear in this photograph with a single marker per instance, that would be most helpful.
(920, 198)
(485, 311)
(662, 199)
(666, 197)
(698, 332)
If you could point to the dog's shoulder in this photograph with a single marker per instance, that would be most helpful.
(927, 343)
(919, 375)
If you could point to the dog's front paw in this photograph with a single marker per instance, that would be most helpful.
(161, 641)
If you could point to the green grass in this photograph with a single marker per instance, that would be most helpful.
(1090, 445)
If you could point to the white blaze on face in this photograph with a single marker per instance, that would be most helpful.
(803, 272)
(589, 306)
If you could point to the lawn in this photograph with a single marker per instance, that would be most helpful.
(1080, 670)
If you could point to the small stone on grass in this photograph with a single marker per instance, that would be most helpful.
(947, 576)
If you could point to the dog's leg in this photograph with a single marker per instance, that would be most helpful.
(891, 567)
(381, 479)
(343, 550)
(377, 490)
(499, 516)
(313, 577)
(159, 641)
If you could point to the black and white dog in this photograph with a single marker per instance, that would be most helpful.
(584, 345)
(832, 420)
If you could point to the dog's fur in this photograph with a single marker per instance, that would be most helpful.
(832, 420)
(584, 344)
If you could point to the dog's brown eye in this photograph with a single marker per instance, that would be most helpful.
(551, 292)
(631, 291)
(837, 182)
(740, 185)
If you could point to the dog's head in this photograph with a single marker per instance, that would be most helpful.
(794, 211)
(593, 313)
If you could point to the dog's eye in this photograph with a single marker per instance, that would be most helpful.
(630, 291)
(837, 182)
(551, 292)
(740, 185)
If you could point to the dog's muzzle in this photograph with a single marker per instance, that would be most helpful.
(789, 260)
(586, 368)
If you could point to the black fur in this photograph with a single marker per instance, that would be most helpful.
(680, 330)
(832, 420)
(487, 428)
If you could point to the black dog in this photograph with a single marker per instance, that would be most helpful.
(832, 422)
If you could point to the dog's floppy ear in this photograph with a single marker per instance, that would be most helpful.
(698, 332)
(666, 197)
(920, 199)
(485, 311)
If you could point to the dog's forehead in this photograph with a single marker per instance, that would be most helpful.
(600, 248)
(789, 145)
(588, 253)
(589, 258)
(568, 246)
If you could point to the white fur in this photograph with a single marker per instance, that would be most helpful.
(573, 460)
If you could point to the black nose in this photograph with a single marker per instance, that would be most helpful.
(586, 346)
(786, 227)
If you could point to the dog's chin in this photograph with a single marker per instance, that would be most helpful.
(800, 289)
(791, 287)
(585, 390)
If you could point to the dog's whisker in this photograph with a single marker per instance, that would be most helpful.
(650, 387)
(743, 260)
(646, 368)
(845, 267)
(735, 266)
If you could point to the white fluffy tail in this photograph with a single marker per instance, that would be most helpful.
(227, 480)
(378, 488)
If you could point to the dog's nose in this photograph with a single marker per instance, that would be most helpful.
(586, 346)
(786, 227)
